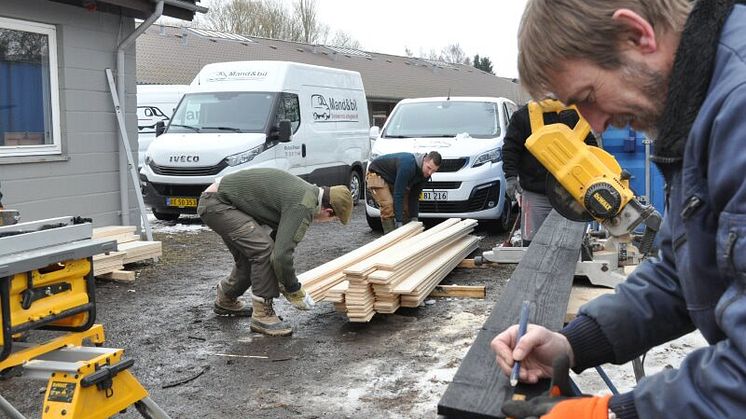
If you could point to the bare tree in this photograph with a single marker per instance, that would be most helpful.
(305, 13)
(453, 54)
(271, 19)
(342, 39)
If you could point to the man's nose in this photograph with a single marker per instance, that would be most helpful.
(596, 118)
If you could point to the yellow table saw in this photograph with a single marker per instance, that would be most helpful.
(47, 283)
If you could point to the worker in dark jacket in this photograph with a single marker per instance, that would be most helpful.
(396, 180)
(261, 215)
(524, 174)
(675, 69)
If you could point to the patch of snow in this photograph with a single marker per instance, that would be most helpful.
(184, 225)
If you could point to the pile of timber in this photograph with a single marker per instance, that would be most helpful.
(130, 249)
(399, 269)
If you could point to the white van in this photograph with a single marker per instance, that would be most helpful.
(155, 102)
(311, 121)
(468, 132)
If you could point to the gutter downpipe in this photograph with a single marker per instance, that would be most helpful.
(123, 162)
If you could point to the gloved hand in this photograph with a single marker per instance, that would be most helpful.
(558, 402)
(301, 299)
(512, 187)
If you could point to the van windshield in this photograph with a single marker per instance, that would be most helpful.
(444, 119)
(223, 112)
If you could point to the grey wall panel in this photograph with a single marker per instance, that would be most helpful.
(85, 79)
(94, 120)
(90, 142)
(86, 101)
(100, 207)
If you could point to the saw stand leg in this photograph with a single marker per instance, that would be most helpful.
(148, 409)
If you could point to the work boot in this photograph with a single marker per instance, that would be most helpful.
(265, 321)
(300, 299)
(229, 306)
(388, 225)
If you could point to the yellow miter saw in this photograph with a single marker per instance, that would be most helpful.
(586, 183)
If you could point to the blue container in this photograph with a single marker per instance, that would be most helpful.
(626, 145)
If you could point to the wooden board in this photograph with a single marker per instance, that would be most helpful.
(544, 277)
(119, 276)
(460, 291)
(581, 294)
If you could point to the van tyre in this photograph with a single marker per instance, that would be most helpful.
(507, 217)
(374, 223)
(165, 216)
(355, 183)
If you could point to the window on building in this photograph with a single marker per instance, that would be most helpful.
(29, 106)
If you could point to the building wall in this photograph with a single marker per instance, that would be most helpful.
(84, 179)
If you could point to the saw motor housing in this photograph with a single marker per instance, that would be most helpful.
(590, 175)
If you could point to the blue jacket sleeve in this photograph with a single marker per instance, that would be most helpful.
(404, 173)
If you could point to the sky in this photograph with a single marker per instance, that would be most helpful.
(484, 27)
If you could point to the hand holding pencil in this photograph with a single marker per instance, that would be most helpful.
(535, 351)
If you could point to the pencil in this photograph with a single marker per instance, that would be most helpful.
(522, 325)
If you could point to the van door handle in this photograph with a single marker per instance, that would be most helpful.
(303, 150)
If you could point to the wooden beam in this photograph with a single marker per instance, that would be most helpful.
(543, 277)
(119, 276)
(472, 264)
(460, 291)
(580, 295)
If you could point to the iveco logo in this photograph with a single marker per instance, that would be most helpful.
(183, 159)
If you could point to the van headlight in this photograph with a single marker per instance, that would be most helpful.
(492, 156)
(244, 156)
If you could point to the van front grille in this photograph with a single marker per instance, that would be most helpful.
(179, 190)
(452, 165)
(441, 185)
(188, 171)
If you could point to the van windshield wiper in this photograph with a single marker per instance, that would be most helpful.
(397, 136)
(439, 136)
(193, 128)
(224, 128)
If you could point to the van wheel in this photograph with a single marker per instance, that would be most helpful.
(507, 218)
(374, 223)
(165, 216)
(355, 184)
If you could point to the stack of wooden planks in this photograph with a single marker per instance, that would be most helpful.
(130, 249)
(399, 269)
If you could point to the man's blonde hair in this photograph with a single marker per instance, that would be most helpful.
(553, 31)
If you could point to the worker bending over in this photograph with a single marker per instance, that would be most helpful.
(524, 174)
(396, 180)
(677, 70)
(262, 215)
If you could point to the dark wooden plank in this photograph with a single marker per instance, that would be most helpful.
(543, 277)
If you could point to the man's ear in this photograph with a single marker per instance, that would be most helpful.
(640, 34)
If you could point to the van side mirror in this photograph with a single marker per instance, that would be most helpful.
(374, 133)
(282, 132)
(160, 128)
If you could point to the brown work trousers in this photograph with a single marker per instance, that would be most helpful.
(250, 244)
(382, 194)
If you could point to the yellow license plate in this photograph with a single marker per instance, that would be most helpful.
(181, 202)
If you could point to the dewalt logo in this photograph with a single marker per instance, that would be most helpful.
(600, 199)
